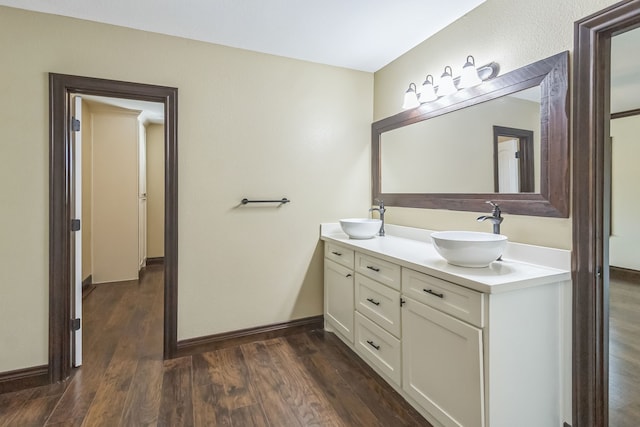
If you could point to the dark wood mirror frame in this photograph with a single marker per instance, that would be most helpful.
(552, 75)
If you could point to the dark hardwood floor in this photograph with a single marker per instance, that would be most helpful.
(308, 379)
(624, 353)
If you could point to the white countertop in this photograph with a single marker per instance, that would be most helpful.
(412, 248)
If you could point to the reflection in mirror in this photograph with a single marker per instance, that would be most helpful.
(514, 167)
(454, 153)
(447, 154)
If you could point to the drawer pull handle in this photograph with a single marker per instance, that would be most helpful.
(348, 275)
(376, 269)
(429, 291)
(336, 253)
(372, 344)
(372, 301)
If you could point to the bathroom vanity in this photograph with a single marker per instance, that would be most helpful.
(465, 346)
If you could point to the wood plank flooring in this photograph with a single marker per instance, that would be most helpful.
(624, 353)
(309, 379)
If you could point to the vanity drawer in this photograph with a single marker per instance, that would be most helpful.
(458, 301)
(377, 269)
(339, 254)
(379, 303)
(378, 347)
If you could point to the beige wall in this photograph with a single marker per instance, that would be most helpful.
(250, 125)
(115, 194)
(513, 33)
(625, 194)
(155, 190)
(87, 186)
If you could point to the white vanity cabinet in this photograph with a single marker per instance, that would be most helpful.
(338, 291)
(473, 347)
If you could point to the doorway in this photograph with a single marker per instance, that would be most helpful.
(591, 208)
(118, 158)
(61, 87)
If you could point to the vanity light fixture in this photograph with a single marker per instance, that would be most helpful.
(428, 92)
(446, 86)
(471, 76)
(411, 97)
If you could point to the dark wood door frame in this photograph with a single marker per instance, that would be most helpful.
(525, 152)
(591, 197)
(61, 87)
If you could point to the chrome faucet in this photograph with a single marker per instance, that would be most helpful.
(495, 217)
(381, 210)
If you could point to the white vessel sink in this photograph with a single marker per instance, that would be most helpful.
(469, 248)
(360, 228)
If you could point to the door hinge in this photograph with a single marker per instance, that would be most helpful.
(75, 225)
(75, 124)
(402, 302)
(598, 272)
(75, 324)
(517, 154)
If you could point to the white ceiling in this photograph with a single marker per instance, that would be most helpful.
(150, 112)
(358, 34)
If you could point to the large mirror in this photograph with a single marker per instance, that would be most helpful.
(505, 140)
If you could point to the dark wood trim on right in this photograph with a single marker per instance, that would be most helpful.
(591, 208)
(24, 378)
(628, 113)
(243, 336)
(626, 274)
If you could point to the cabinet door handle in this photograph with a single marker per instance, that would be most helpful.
(336, 253)
(370, 267)
(372, 301)
(434, 293)
(372, 344)
(348, 275)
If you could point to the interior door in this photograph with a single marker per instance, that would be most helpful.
(142, 196)
(508, 167)
(76, 238)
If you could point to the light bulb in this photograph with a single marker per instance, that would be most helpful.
(446, 86)
(411, 97)
(428, 93)
(469, 76)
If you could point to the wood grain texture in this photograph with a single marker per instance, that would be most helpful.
(624, 348)
(305, 379)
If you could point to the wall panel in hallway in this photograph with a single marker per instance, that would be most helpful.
(115, 194)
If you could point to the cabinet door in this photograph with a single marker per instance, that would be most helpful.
(338, 298)
(442, 365)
